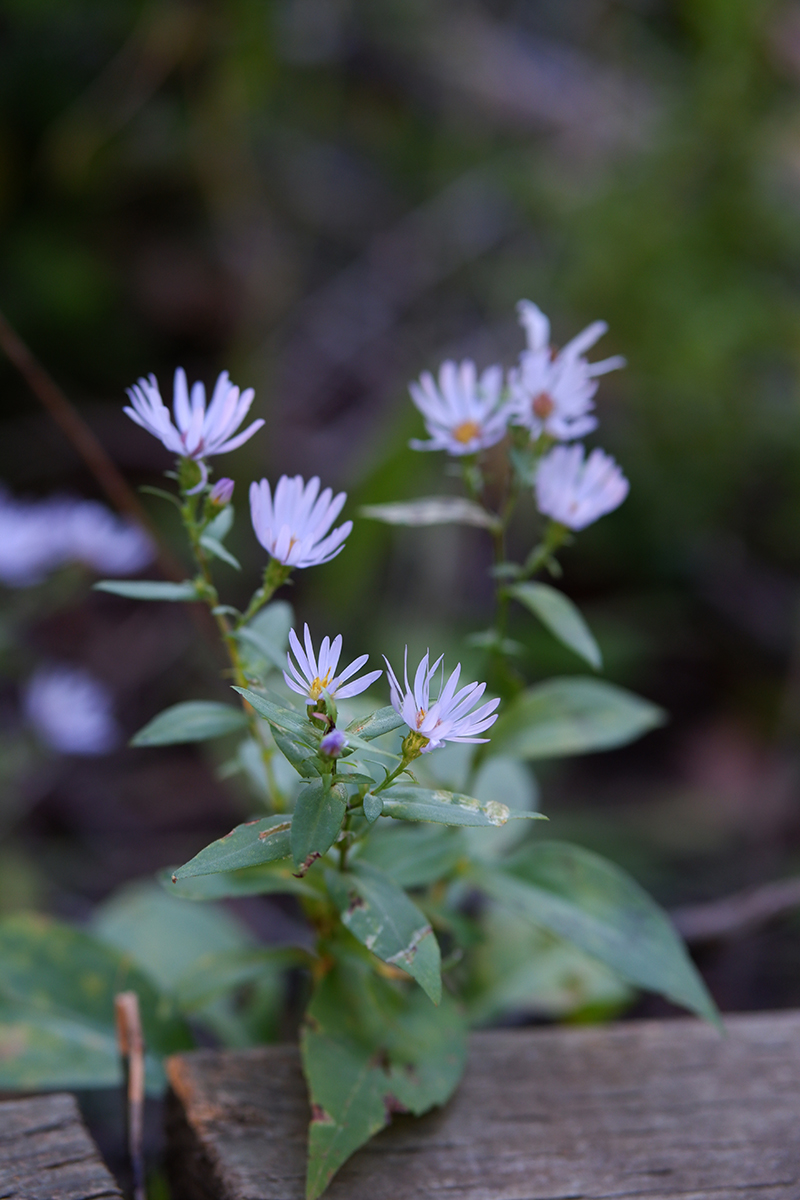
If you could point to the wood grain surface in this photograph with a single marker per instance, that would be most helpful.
(46, 1153)
(667, 1110)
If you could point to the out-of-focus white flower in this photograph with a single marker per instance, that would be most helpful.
(39, 536)
(463, 414)
(71, 711)
(294, 525)
(312, 676)
(575, 493)
(450, 718)
(552, 392)
(200, 432)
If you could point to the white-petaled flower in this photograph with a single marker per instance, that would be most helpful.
(71, 711)
(293, 526)
(553, 392)
(310, 676)
(463, 414)
(39, 536)
(450, 718)
(575, 492)
(200, 432)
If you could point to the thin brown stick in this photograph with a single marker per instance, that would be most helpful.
(131, 1048)
(91, 450)
(737, 914)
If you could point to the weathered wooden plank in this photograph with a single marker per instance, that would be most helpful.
(666, 1110)
(46, 1153)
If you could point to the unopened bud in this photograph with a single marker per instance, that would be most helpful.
(333, 744)
(222, 492)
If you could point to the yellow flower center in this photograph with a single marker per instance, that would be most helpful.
(542, 406)
(421, 717)
(466, 431)
(319, 685)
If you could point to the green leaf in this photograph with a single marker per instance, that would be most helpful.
(265, 639)
(301, 755)
(592, 903)
(271, 879)
(564, 620)
(57, 987)
(250, 845)
(371, 1047)
(373, 807)
(162, 495)
(573, 715)
(193, 721)
(446, 808)
(220, 527)
(214, 975)
(414, 855)
(217, 549)
(384, 720)
(285, 720)
(148, 589)
(382, 917)
(317, 819)
(432, 510)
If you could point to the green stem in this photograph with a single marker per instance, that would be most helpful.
(194, 528)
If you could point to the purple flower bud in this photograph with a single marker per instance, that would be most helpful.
(222, 492)
(333, 744)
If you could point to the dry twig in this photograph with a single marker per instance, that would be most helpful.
(131, 1048)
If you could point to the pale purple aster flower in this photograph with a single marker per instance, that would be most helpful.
(71, 711)
(91, 534)
(200, 432)
(333, 743)
(293, 526)
(222, 492)
(39, 536)
(311, 675)
(552, 392)
(575, 493)
(452, 717)
(463, 413)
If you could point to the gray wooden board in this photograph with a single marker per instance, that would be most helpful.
(46, 1153)
(657, 1109)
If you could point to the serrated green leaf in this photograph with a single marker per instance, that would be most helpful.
(192, 721)
(432, 510)
(573, 715)
(446, 808)
(148, 589)
(384, 720)
(57, 987)
(249, 845)
(317, 819)
(369, 1047)
(588, 901)
(564, 620)
(216, 548)
(387, 922)
(414, 855)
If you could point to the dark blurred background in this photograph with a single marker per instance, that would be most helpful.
(326, 197)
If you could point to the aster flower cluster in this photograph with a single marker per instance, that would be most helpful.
(547, 397)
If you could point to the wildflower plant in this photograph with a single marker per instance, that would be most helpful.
(428, 886)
